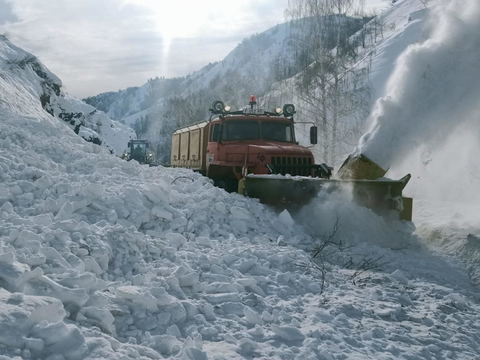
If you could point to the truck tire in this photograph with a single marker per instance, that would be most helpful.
(230, 186)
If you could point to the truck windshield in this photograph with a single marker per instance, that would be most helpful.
(139, 148)
(277, 131)
(138, 152)
(241, 130)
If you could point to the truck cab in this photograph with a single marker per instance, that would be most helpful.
(254, 144)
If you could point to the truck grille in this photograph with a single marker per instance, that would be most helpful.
(296, 166)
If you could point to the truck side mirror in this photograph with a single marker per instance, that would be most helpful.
(313, 135)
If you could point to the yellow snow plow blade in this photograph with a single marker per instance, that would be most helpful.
(380, 195)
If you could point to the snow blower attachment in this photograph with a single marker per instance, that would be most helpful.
(358, 176)
(256, 152)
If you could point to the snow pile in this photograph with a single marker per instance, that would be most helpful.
(27, 87)
(105, 258)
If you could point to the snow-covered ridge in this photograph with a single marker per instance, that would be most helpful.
(29, 88)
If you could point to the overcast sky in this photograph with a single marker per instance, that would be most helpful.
(106, 45)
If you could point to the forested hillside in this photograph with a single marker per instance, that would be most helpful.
(257, 66)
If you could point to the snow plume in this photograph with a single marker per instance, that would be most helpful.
(434, 90)
(356, 225)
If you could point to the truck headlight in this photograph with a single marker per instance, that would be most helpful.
(289, 110)
(218, 106)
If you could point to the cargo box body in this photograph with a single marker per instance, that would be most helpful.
(189, 146)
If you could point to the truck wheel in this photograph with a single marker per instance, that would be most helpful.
(230, 186)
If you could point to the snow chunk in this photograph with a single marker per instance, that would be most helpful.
(19, 313)
(161, 213)
(287, 333)
(158, 193)
(43, 286)
(65, 211)
(13, 275)
(252, 316)
(42, 183)
(96, 190)
(456, 300)
(286, 218)
(221, 298)
(400, 277)
(239, 225)
(239, 213)
(7, 207)
(176, 240)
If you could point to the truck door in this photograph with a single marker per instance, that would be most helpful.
(212, 148)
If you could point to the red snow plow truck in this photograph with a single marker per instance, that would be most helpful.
(255, 152)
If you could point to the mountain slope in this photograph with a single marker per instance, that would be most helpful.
(252, 59)
(28, 87)
(157, 108)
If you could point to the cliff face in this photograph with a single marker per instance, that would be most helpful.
(27, 86)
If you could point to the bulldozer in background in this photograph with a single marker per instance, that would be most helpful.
(255, 152)
(138, 150)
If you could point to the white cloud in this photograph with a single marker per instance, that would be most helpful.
(6, 14)
(106, 45)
